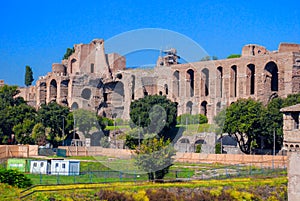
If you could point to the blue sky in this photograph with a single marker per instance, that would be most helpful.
(37, 33)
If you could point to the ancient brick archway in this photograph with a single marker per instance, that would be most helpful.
(250, 83)
(219, 82)
(205, 82)
(271, 77)
(176, 84)
(53, 90)
(190, 83)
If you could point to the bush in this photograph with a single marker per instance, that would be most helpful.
(198, 148)
(192, 119)
(14, 178)
(218, 148)
(234, 56)
(110, 195)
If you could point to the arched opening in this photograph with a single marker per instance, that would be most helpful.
(233, 81)
(184, 140)
(190, 82)
(189, 107)
(74, 106)
(203, 108)
(43, 92)
(53, 90)
(205, 82)
(64, 91)
(166, 89)
(219, 81)
(160, 93)
(218, 107)
(272, 75)
(86, 93)
(176, 83)
(250, 85)
(73, 63)
(118, 95)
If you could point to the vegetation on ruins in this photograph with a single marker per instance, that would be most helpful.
(234, 56)
(28, 76)
(187, 119)
(69, 52)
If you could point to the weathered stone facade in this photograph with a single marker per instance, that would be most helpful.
(291, 143)
(94, 80)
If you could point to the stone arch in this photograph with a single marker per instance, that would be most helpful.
(176, 83)
(118, 94)
(205, 82)
(73, 65)
(189, 107)
(190, 82)
(184, 140)
(271, 77)
(233, 81)
(53, 90)
(250, 83)
(200, 141)
(203, 108)
(43, 92)
(219, 82)
(74, 106)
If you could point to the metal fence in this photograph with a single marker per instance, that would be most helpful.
(172, 175)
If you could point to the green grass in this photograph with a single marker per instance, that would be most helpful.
(117, 127)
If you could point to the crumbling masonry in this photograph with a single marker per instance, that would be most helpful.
(94, 80)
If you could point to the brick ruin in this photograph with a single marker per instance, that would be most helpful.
(94, 80)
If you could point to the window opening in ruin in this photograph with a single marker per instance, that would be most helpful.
(92, 68)
(105, 97)
(132, 96)
(176, 83)
(145, 93)
(74, 106)
(160, 93)
(166, 89)
(72, 65)
(295, 117)
(251, 79)
(190, 80)
(233, 81)
(204, 108)
(53, 90)
(205, 81)
(189, 107)
(220, 81)
(272, 72)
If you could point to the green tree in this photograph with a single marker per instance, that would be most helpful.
(53, 116)
(234, 56)
(68, 53)
(154, 114)
(85, 121)
(39, 134)
(23, 131)
(28, 76)
(154, 156)
(13, 111)
(243, 121)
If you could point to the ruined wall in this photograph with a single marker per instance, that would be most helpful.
(89, 77)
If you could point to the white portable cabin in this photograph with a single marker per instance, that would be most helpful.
(65, 167)
(40, 166)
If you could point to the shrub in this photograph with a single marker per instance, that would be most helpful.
(110, 195)
(14, 178)
(192, 119)
(198, 148)
(218, 148)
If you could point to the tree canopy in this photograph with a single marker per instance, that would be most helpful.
(154, 114)
(69, 52)
(28, 76)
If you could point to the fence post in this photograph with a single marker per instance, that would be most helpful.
(41, 178)
(57, 178)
